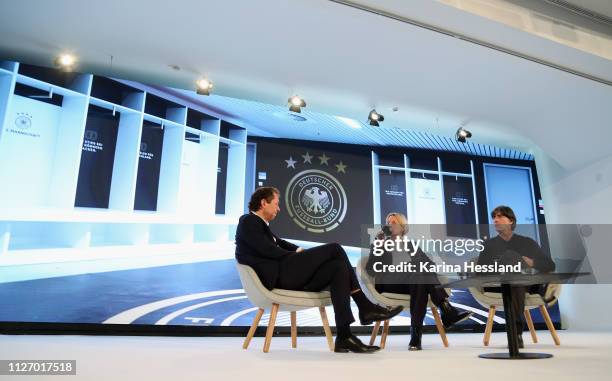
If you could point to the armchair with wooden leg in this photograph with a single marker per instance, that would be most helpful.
(276, 300)
(391, 300)
(494, 302)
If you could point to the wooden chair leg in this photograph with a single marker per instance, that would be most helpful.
(270, 329)
(534, 337)
(247, 340)
(549, 324)
(385, 332)
(374, 333)
(439, 325)
(328, 332)
(489, 326)
(293, 329)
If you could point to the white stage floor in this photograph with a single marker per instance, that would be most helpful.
(585, 356)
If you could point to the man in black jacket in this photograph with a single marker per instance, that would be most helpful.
(281, 264)
(508, 248)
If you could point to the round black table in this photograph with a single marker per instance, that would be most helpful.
(507, 281)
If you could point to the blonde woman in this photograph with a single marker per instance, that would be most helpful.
(420, 286)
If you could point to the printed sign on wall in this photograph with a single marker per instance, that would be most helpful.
(27, 153)
(97, 158)
(392, 193)
(149, 163)
(221, 178)
(459, 206)
(426, 201)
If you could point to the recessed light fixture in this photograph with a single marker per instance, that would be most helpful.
(462, 135)
(65, 61)
(296, 103)
(203, 86)
(374, 118)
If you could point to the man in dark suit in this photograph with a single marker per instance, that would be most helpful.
(509, 248)
(281, 264)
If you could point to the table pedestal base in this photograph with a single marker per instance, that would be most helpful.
(518, 356)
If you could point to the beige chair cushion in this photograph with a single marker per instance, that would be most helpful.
(487, 299)
(288, 300)
(301, 294)
(385, 299)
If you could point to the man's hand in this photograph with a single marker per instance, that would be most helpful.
(528, 261)
(299, 250)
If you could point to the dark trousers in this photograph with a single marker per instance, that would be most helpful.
(419, 296)
(518, 301)
(318, 268)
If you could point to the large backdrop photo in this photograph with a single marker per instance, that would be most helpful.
(123, 208)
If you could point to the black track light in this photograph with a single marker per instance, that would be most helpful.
(374, 118)
(296, 103)
(65, 62)
(203, 86)
(462, 135)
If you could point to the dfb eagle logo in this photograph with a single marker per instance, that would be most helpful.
(315, 200)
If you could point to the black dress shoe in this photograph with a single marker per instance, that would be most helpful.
(416, 333)
(451, 315)
(353, 344)
(378, 313)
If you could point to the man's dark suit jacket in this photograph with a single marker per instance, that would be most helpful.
(256, 247)
(508, 252)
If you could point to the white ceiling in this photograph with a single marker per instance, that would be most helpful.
(277, 122)
(343, 61)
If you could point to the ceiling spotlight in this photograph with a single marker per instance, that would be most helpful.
(203, 86)
(296, 103)
(462, 135)
(65, 61)
(374, 118)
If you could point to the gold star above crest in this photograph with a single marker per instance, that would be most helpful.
(290, 162)
(324, 159)
(341, 167)
(307, 158)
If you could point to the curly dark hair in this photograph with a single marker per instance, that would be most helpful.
(261, 193)
(505, 211)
